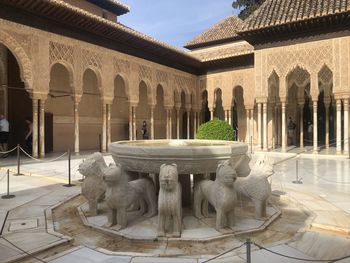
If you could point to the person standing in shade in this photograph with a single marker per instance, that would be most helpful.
(4, 134)
(291, 128)
(144, 131)
(29, 135)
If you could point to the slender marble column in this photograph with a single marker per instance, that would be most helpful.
(212, 115)
(284, 137)
(134, 122)
(152, 123)
(188, 125)
(76, 127)
(314, 106)
(109, 128)
(259, 127)
(167, 124)
(265, 126)
(226, 116)
(170, 123)
(35, 128)
(230, 117)
(346, 126)
(178, 124)
(104, 127)
(339, 144)
(195, 114)
(42, 128)
(327, 105)
(131, 130)
(247, 137)
(275, 127)
(301, 109)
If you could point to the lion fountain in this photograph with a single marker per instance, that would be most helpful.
(236, 177)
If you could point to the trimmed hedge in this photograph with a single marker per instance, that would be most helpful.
(216, 130)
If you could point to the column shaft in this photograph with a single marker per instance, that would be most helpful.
(314, 107)
(178, 124)
(195, 119)
(230, 117)
(327, 126)
(283, 128)
(35, 128)
(265, 126)
(171, 123)
(301, 107)
(134, 122)
(259, 127)
(152, 123)
(346, 126)
(248, 125)
(212, 115)
(42, 128)
(339, 144)
(131, 130)
(188, 125)
(76, 127)
(251, 128)
(109, 128)
(104, 127)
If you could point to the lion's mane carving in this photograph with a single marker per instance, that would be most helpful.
(221, 195)
(169, 201)
(93, 188)
(121, 194)
(256, 185)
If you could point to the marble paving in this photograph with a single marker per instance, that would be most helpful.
(314, 224)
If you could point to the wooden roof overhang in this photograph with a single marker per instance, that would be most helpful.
(120, 37)
(115, 7)
(306, 27)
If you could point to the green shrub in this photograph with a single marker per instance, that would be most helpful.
(216, 130)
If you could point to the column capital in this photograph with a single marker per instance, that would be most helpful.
(38, 95)
(107, 100)
(261, 100)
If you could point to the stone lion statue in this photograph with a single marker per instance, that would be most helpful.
(169, 201)
(221, 195)
(121, 194)
(93, 187)
(256, 185)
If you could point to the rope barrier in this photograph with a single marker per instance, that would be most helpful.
(300, 259)
(7, 152)
(43, 161)
(224, 253)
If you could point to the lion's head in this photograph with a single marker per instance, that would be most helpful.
(113, 174)
(225, 174)
(89, 166)
(168, 177)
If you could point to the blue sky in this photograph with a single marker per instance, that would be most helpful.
(175, 21)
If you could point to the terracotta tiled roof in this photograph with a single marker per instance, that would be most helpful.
(112, 5)
(224, 52)
(225, 29)
(278, 12)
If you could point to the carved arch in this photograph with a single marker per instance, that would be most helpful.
(25, 64)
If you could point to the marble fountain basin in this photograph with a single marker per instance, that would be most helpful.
(191, 156)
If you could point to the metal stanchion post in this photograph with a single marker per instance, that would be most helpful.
(248, 243)
(69, 172)
(297, 180)
(18, 160)
(8, 196)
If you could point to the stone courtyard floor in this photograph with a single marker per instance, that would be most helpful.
(42, 219)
